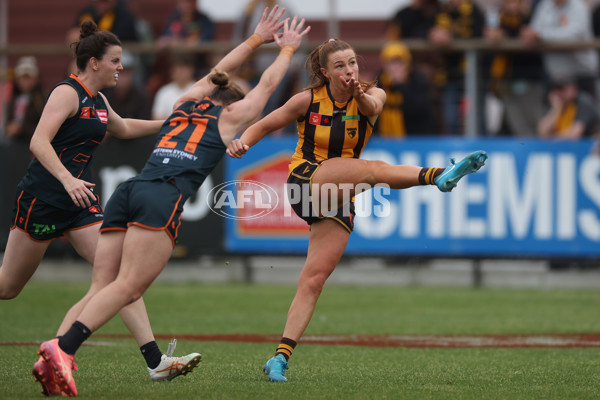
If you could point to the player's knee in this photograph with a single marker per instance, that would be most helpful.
(131, 290)
(374, 168)
(314, 284)
(8, 292)
(134, 298)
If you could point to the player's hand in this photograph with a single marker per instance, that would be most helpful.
(353, 87)
(237, 149)
(293, 32)
(80, 192)
(269, 24)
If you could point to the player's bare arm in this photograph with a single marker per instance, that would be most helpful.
(62, 104)
(291, 111)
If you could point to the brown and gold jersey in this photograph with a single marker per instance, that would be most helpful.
(330, 129)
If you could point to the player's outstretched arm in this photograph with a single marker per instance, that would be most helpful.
(251, 106)
(265, 32)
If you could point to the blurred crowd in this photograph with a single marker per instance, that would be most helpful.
(522, 94)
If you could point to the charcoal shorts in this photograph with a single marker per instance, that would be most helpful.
(154, 205)
(43, 222)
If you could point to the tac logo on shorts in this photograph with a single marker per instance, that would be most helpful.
(320, 119)
(42, 229)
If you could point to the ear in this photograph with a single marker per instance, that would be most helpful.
(94, 63)
(324, 72)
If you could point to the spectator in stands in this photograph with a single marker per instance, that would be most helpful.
(407, 109)
(182, 78)
(514, 78)
(596, 20)
(414, 21)
(145, 32)
(145, 62)
(110, 15)
(565, 20)
(572, 113)
(188, 25)
(127, 98)
(27, 102)
(596, 32)
(457, 19)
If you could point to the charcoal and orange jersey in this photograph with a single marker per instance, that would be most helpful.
(188, 148)
(330, 129)
(74, 144)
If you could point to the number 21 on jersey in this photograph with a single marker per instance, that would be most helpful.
(180, 126)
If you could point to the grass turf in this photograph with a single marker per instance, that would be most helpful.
(233, 370)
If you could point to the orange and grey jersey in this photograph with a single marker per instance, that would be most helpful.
(188, 148)
(330, 129)
(74, 144)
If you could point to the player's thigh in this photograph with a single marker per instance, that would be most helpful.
(351, 171)
(84, 241)
(107, 261)
(145, 254)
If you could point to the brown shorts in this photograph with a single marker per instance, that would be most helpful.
(299, 191)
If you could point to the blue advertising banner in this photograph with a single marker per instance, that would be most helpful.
(532, 198)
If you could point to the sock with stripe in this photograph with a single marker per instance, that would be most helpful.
(152, 354)
(286, 347)
(428, 175)
(73, 339)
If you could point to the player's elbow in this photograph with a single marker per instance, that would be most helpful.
(35, 146)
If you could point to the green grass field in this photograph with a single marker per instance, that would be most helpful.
(234, 370)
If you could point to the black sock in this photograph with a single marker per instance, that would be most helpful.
(152, 354)
(75, 336)
(428, 175)
(286, 347)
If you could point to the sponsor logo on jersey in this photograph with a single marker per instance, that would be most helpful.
(86, 112)
(102, 115)
(320, 119)
(202, 106)
(90, 112)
